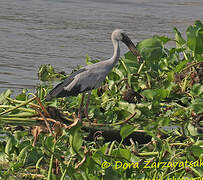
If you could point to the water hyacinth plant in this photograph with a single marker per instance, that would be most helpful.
(147, 119)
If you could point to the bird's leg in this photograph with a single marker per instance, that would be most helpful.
(86, 107)
(81, 105)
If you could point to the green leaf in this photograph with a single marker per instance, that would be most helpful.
(197, 106)
(9, 146)
(49, 142)
(199, 34)
(44, 71)
(3, 158)
(131, 58)
(149, 94)
(197, 150)
(170, 76)
(22, 96)
(75, 139)
(163, 39)
(197, 89)
(130, 107)
(178, 38)
(191, 38)
(125, 153)
(181, 65)
(178, 112)
(89, 61)
(195, 38)
(23, 153)
(113, 76)
(162, 93)
(4, 95)
(150, 49)
(119, 73)
(199, 57)
(198, 24)
(192, 130)
(126, 131)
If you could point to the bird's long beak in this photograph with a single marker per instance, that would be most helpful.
(127, 41)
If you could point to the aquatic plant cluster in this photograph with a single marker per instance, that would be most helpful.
(147, 119)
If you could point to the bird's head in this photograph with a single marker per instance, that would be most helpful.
(120, 35)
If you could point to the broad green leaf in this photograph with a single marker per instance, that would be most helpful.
(163, 39)
(195, 38)
(129, 55)
(23, 153)
(149, 94)
(75, 139)
(150, 49)
(170, 76)
(179, 112)
(164, 121)
(22, 96)
(199, 57)
(162, 93)
(49, 142)
(130, 107)
(197, 150)
(20, 134)
(197, 89)
(197, 106)
(9, 146)
(46, 72)
(122, 153)
(125, 153)
(185, 100)
(199, 34)
(191, 38)
(126, 131)
(181, 65)
(178, 38)
(199, 143)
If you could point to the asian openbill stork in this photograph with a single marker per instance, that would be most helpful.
(91, 76)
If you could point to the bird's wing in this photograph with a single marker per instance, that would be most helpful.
(59, 91)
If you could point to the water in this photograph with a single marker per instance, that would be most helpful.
(62, 32)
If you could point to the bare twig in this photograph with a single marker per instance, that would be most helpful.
(43, 108)
(44, 118)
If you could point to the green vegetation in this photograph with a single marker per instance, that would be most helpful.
(161, 97)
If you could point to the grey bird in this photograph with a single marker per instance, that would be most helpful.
(91, 77)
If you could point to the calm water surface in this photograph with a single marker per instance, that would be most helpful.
(62, 32)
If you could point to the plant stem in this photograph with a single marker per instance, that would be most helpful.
(16, 107)
(140, 68)
(148, 154)
(50, 167)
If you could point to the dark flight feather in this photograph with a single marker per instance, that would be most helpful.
(59, 91)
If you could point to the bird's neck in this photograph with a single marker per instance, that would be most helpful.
(116, 52)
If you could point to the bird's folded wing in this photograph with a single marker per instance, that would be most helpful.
(59, 91)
